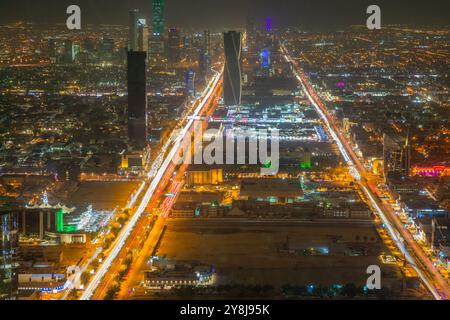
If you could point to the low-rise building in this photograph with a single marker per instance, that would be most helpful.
(271, 189)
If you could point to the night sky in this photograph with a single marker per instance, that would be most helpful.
(220, 14)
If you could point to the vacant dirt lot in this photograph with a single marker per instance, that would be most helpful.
(263, 252)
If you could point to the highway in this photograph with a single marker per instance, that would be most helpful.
(160, 179)
(412, 252)
(134, 275)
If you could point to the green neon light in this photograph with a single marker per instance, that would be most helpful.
(67, 229)
(60, 221)
(60, 227)
(305, 165)
(267, 164)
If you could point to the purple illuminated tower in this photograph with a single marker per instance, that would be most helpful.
(268, 24)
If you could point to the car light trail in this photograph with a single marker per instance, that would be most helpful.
(135, 196)
(357, 176)
(77, 276)
(125, 232)
(353, 171)
(399, 242)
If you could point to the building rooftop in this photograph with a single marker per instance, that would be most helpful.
(270, 188)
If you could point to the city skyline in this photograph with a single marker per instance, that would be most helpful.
(211, 151)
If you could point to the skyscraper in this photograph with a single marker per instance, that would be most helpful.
(9, 246)
(204, 60)
(69, 54)
(143, 35)
(174, 46)
(207, 49)
(52, 49)
(158, 17)
(232, 82)
(250, 34)
(133, 30)
(268, 24)
(249, 26)
(190, 83)
(396, 156)
(158, 28)
(137, 99)
(265, 62)
(107, 49)
(207, 42)
(156, 48)
(203, 66)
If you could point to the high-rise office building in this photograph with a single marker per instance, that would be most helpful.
(137, 99)
(156, 48)
(9, 246)
(76, 50)
(174, 46)
(204, 60)
(89, 45)
(69, 54)
(133, 30)
(157, 35)
(249, 26)
(396, 156)
(52, 49)
(265, 62)
(207, 42)
(143, 35)
(232, 82)
(158, 21)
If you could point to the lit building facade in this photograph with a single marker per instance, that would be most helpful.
(396, 157)
(159, 22)
(208, 176)
(190, 83)
(232, 80)
(143, 35)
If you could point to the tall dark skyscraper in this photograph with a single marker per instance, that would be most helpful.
(232, 82)
(137, 99)
(133, 30)
(174, 46)
(158, 17)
